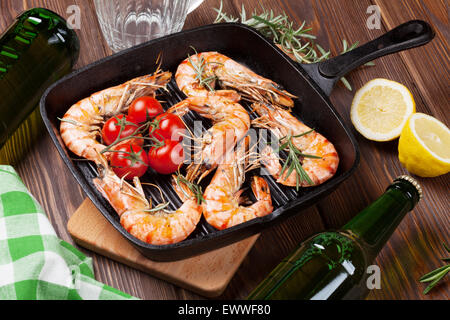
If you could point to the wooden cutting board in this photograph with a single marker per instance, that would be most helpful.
(207, 274)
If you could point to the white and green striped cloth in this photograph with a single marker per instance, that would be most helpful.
(34, 262)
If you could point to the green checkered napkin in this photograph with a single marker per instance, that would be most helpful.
(34, 262)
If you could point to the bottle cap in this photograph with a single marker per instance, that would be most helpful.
(413, 182)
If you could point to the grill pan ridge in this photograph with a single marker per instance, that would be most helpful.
(244, 45)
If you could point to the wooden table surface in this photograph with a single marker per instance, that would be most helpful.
(416, 246)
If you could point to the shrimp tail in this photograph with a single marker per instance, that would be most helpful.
(261, 190)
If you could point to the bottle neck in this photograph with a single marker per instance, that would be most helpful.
(376, 223)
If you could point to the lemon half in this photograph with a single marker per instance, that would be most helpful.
(424, 146)
(381, 108)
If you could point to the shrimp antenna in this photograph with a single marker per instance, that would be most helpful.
(159, 61)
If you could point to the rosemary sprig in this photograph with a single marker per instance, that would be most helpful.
(159, 207)
(297, 42)
(448, 251)
(199, 69)
(293, 162)
(436, 275)
(193, 187)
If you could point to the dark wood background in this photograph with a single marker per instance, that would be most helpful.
(416, 246)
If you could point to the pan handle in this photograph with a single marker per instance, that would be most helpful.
(411, 34)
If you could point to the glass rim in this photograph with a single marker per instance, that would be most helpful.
(104, 26)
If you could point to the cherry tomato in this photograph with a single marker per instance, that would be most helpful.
(168, 127)
(112, 128)
(129, 161)
(167, 158)
(145, 108)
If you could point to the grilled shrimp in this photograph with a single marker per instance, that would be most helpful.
(231, 123)
(154, 226)
(82, 124)
(282, 123)
(199, 74)
(221, 206)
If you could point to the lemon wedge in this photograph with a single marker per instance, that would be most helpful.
(381, 108)
(424, 146)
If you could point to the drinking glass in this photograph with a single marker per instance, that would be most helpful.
(126, 23)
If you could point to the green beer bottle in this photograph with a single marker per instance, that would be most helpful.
(333, 265)
(35, 51)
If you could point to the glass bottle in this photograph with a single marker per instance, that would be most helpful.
(35, 51)
(333, 264)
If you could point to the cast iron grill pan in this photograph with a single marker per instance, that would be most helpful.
(246, 46)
